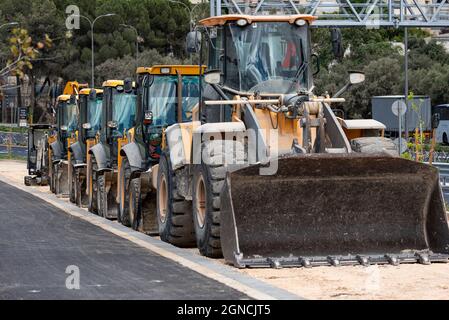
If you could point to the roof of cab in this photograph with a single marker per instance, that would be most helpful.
(115, 83)
(221, 20)
(193, 70)
(87, 91)
(63, 98)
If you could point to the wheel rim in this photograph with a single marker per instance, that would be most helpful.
(163, 199)
(200, 201)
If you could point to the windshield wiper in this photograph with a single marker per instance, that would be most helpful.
(299, 73)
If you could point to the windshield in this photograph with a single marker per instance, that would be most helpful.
(123, 111)
(94, 114)
(69, 116)
(269, 57)
(162, 99)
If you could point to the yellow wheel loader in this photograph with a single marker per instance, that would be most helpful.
(90, 111)
(64, 134)
(37, 159)
(118, 116)
(168, 95)
(274, 178)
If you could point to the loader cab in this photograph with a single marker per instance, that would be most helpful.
(169, 94)
(262, 54)
(119, 105)
(66, 117)
(90, 108)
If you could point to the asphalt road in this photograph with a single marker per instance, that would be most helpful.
(38, 242)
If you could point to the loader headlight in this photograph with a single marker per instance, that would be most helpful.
(165, 70)
(64, 128)
(300, 22)
(87, 126)
(242, 22)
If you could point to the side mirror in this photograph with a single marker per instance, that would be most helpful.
(72, 99)
(337, 47)
(212, 77)
(317, 63)
(128, 85)
(93, 94)
(356, 77)
(112, 124)
(193, 42)
(435, 120)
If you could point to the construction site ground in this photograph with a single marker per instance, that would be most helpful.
(412, 281)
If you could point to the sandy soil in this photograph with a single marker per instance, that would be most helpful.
(375, 282)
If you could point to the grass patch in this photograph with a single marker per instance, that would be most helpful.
(13, 129)
(5, 156)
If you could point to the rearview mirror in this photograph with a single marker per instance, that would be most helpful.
(212, 77)
(193, 42)
(93, 94)
(356, 77)
(128, 85)
(337, 47)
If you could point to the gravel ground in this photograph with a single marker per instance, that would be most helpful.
(375, 282)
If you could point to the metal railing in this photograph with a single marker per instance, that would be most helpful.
(347, 13)
(444, 178)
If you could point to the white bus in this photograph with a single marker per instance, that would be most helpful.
(442, 132)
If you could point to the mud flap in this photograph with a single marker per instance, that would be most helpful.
(334, 210)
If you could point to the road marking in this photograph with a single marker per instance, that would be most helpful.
(210, 268)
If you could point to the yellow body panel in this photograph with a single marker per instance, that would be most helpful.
(63, 98)
(88, 90)
(89, 144)
(73, 87)
(184, 70)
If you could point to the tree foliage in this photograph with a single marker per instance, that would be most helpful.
(379, 54)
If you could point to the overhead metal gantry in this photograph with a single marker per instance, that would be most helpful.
(347, 13)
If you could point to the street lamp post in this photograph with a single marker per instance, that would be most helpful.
(137, 39)
(92, 24)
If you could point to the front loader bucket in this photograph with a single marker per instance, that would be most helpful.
(334, 210)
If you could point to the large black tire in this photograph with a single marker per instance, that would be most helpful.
(173, 211)
(72, 187)
(80, 188)
(374, 145)
(53, 178)
(125, 175)
(207, 185)
(27, 180)
(92, 196)
(106, 205)
(135, 205)
(102, 201)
